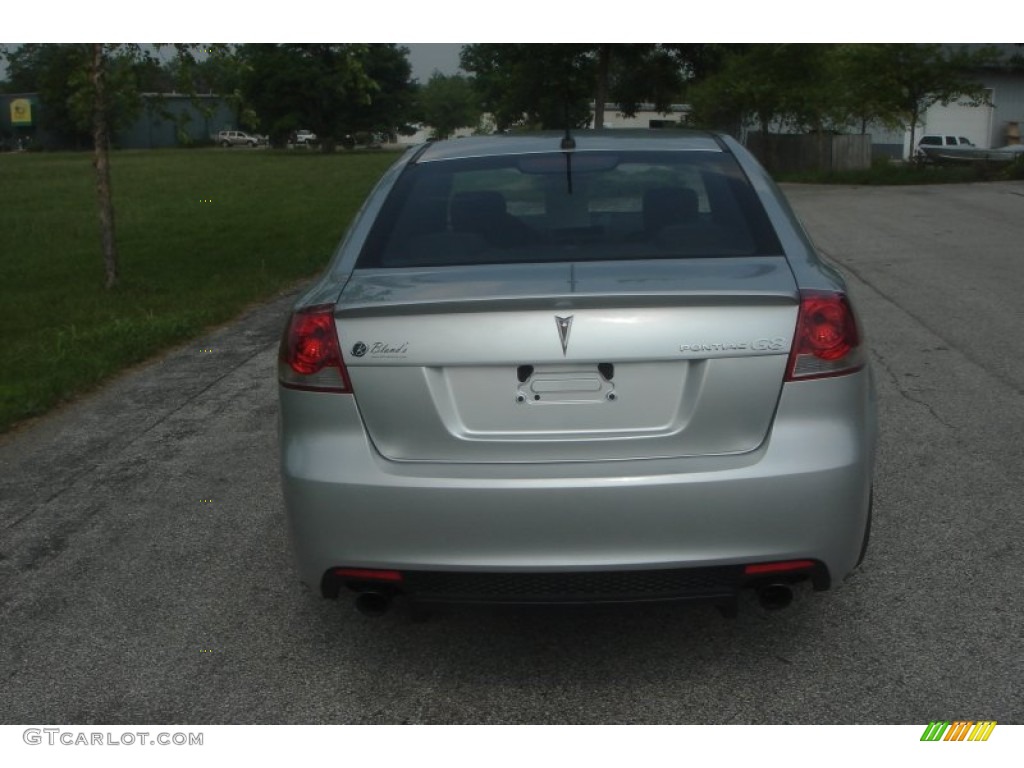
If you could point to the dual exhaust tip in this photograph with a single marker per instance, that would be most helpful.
(772, 597)
(373, 603)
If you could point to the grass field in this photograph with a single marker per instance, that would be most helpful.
(202, 234)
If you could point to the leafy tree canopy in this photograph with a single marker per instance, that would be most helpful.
(644, 73)
(448, 102)
(331, 89)
(552, 85)
(811, 87)
(537, 85)
(59, 74)
(392, 100)
(764, 83)
(897, 83)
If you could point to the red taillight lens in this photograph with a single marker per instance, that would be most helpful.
(310, 355)
(368, 574)
(780, 567)
(827, 341)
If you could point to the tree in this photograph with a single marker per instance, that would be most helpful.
(633, 74)
(86, 90)
(90, 89)
(213, 68)
(528, 84)
(904, 80)
(101, 162)
(327, 88)
(814, 87)
(643, 73)
(448, 102)
(391, 99)
(59, 73)
(553, 85)
(778, 83)
(604, 63)
(860, 87)
(49, 71)
(107, 91)
(208, 69)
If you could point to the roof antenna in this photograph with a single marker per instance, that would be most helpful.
(568, 144)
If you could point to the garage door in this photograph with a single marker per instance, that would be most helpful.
(962, 119)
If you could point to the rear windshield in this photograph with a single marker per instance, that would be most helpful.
(581, 206)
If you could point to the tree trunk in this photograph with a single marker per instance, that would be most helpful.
(604, 54)
(913, 131)
(101, 162)
(768, 144)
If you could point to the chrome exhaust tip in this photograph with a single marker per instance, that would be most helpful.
(373, 603)
(774, 597)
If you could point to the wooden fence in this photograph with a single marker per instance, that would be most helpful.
(783, 153)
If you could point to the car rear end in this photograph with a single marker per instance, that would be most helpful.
(615, 372)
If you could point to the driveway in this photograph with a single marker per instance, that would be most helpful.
(145, 575)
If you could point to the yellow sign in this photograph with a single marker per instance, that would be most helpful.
(21, 112)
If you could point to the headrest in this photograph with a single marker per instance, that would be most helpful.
(472, 210)
(665, 206)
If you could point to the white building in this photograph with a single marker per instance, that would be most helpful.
(645, 117)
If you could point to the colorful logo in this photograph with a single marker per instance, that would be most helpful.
(21, 112)
(958, 730)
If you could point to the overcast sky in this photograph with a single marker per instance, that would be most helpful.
(426, 57)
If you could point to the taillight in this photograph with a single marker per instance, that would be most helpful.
(786, 566)
(310, 355)
(827, 340)
(368, 574)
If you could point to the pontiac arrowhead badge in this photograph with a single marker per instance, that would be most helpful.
(564, 326)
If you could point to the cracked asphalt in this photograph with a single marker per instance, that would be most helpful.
(145, 572)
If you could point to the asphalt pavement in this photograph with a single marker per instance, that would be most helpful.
(146, 577)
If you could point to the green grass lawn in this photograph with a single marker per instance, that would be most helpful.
(202, 234)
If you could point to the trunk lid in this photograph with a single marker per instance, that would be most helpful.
(569, 361)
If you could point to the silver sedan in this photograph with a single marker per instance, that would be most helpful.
(552, 369)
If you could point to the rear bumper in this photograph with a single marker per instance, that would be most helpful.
(803, 494)
(718, 584)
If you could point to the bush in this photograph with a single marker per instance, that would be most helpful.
(1015, 170)
(883, 172)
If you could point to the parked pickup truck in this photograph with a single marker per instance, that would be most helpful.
(940, 140)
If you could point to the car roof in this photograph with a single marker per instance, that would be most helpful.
(664, 140)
